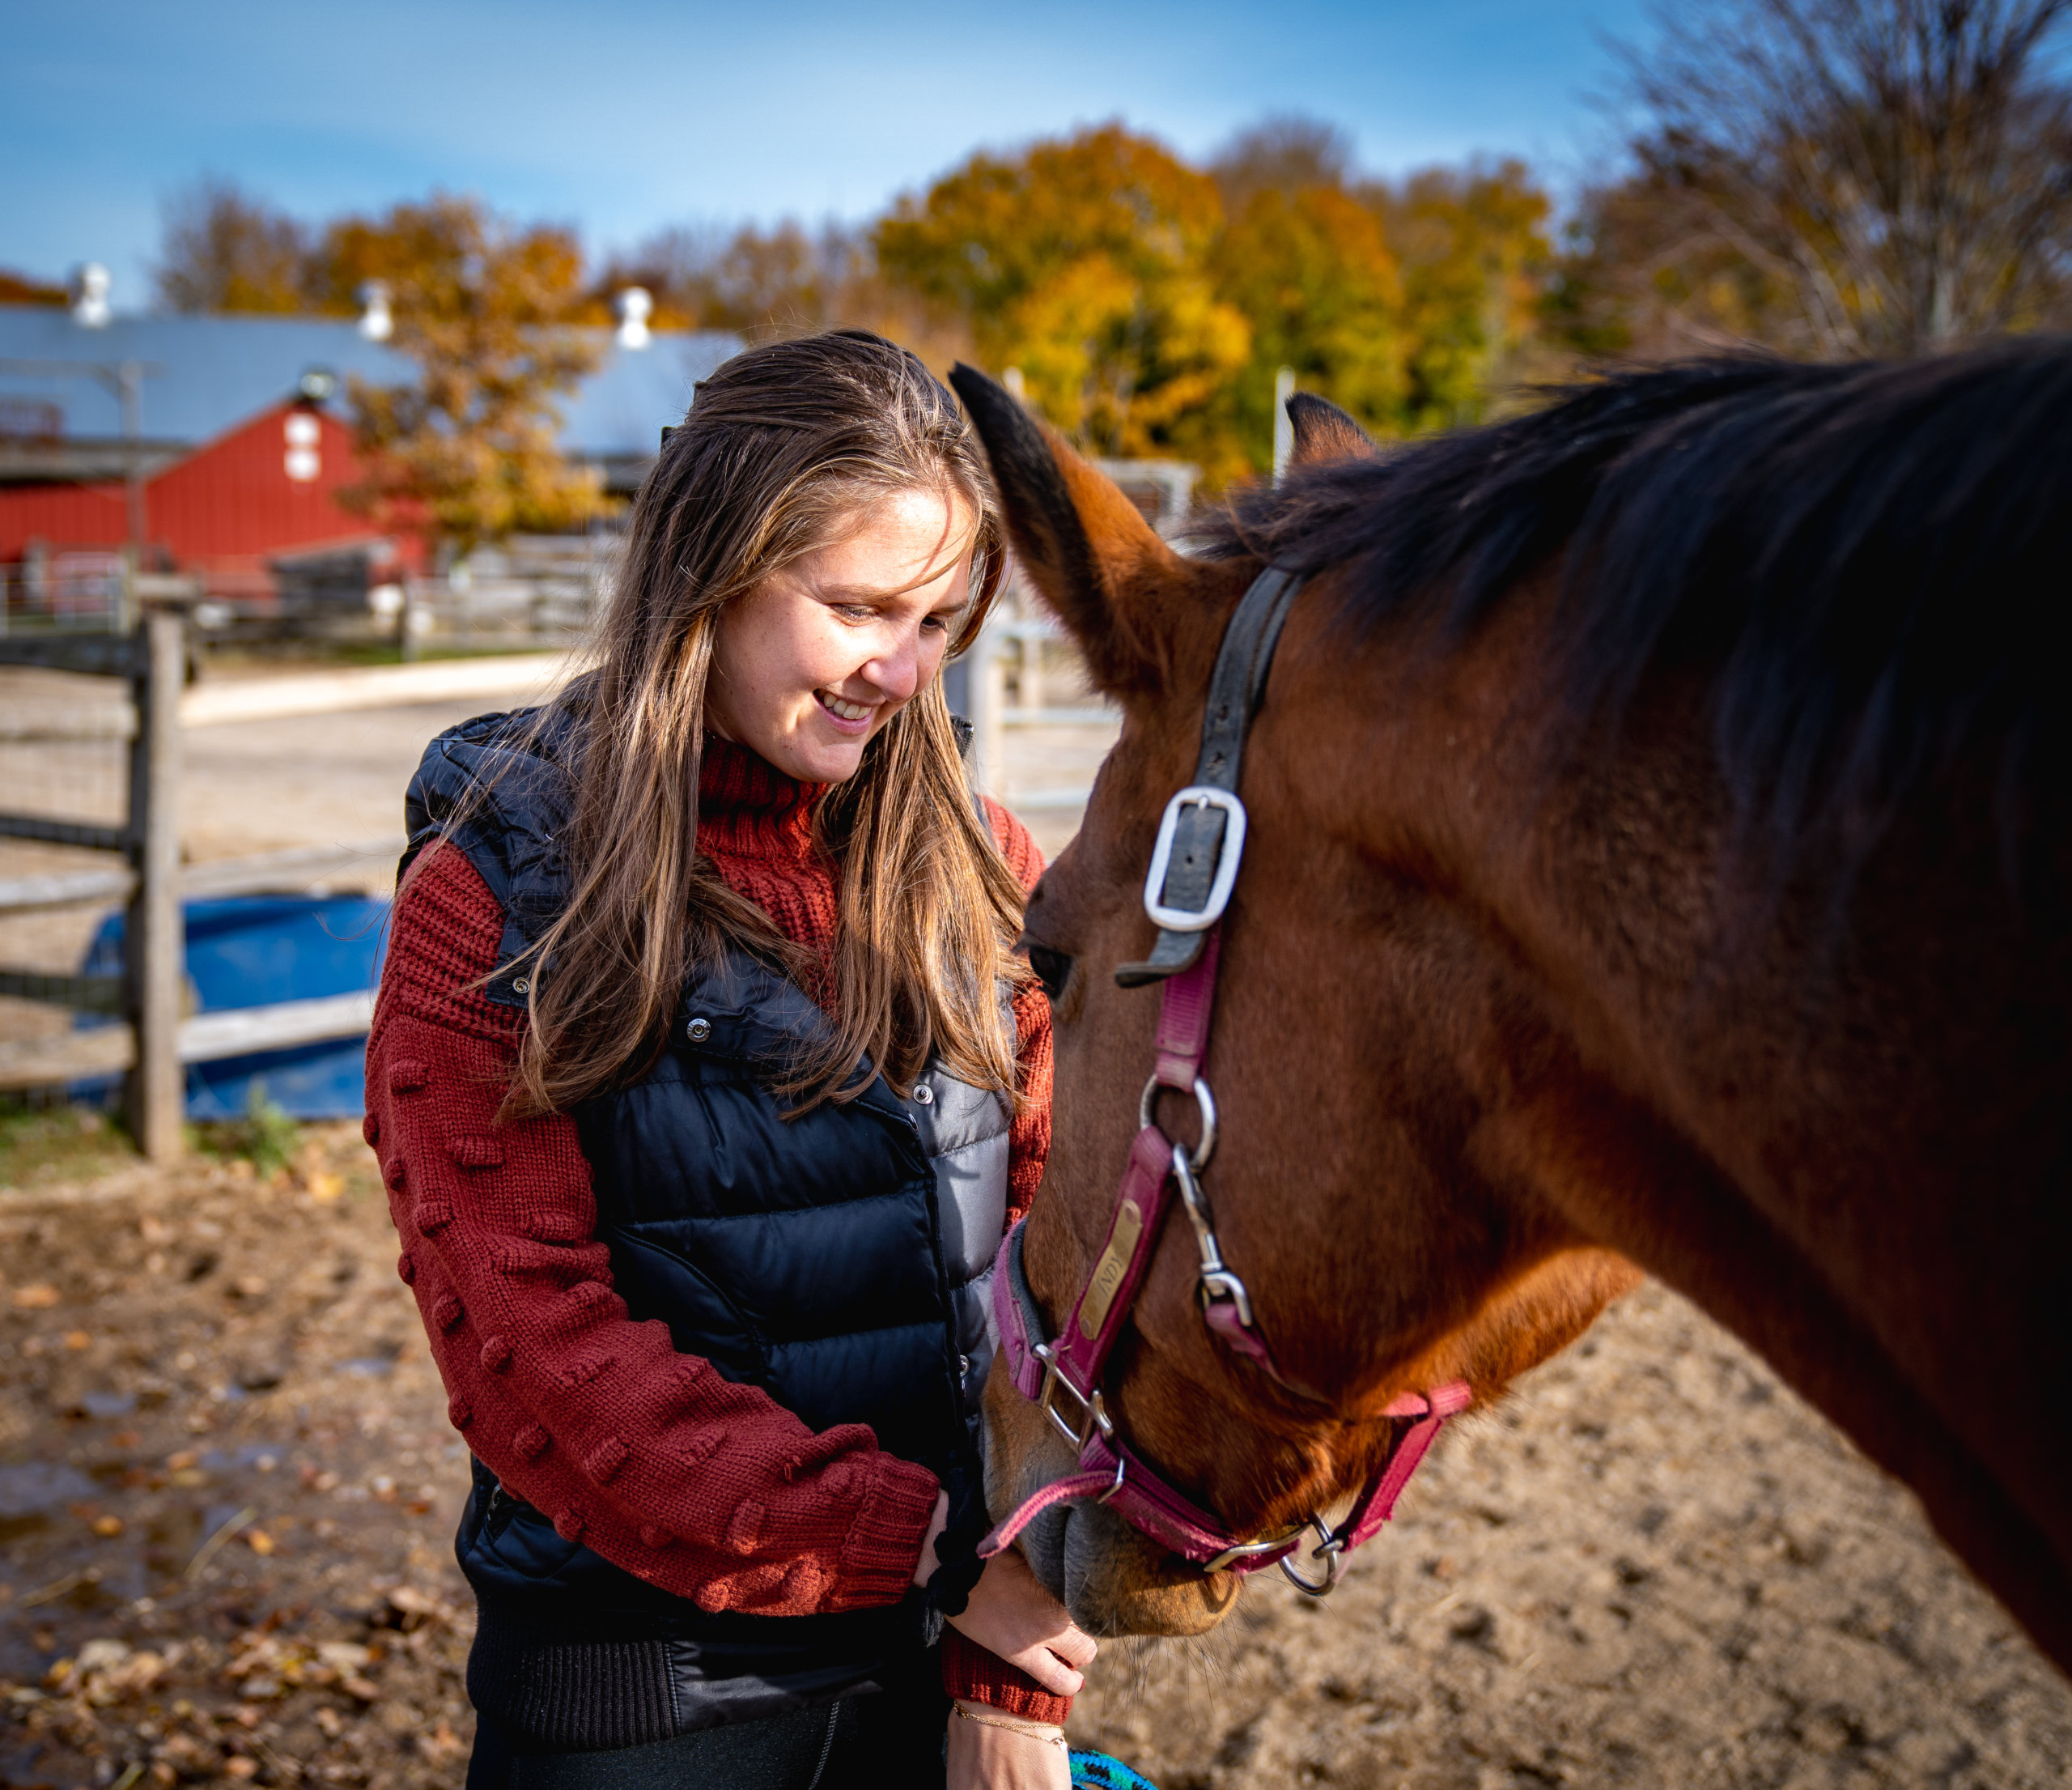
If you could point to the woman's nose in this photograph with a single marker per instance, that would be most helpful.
(897, 671)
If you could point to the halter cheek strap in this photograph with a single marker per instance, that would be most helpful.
(1194, 870)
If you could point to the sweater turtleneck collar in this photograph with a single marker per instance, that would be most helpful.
(746, 806)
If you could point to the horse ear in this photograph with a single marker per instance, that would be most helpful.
(1323, 431)
(1097, 562)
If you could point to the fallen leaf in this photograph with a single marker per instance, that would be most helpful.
(179, 1463)
(325, 1188)
(259, 1542)
(108, 1527)
(239, 1766)
(38, 1297)
(78, 1339)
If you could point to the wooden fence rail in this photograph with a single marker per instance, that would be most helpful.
(153, 661)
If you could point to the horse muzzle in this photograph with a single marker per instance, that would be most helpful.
(1113, 1580)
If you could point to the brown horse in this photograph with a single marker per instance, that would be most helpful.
(1658, 862)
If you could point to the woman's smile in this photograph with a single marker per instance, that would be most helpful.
(847, 716)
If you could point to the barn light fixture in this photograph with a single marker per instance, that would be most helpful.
(634, 305)
(91, 309)
(377, 323)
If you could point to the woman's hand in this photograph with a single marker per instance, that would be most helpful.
(984, 1757)
(1012, 1615)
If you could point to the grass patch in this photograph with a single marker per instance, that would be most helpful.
(40, 1144)
(266, 1137)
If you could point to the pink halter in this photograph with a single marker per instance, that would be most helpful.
(1200, 845)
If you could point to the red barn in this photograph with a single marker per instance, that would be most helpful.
(230, 513)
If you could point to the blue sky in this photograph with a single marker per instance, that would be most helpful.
(622, 116)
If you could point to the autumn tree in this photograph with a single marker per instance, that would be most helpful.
(222, 249)
(1475, 257)
(1834, 177)
(27, 289)
(483, 307)
(1309, 267)
(1085, 262)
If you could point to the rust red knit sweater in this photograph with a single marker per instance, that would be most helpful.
(709, 1489)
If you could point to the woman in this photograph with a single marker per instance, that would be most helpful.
(705, 1084)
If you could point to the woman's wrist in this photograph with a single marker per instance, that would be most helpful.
(986, 1716)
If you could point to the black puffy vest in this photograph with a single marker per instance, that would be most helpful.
(840, 1260)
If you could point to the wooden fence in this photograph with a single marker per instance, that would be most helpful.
(152, 1038)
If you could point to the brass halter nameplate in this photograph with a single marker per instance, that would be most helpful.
(1108, 1272)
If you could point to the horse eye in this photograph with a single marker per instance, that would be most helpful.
(1053, 969)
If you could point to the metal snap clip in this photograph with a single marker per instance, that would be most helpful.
(924, 1096)
(519, 985)
(698, 1031)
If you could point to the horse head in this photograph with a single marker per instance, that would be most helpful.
(1374, 1183)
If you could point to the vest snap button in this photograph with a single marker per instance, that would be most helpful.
(924, 1096)
(519, 985)
(698, 1031)
(964, 1364)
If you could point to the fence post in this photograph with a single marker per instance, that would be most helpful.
(155, 935)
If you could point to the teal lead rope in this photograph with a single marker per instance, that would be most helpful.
(1098, 1771)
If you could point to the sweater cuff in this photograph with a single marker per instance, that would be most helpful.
(976, 1675)
(884, 1540)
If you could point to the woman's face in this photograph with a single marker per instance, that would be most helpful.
(817, 657)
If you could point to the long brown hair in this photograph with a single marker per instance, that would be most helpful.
(783, 445)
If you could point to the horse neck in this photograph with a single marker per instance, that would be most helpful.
(1831, 1111)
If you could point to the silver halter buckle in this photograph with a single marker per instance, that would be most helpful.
(1229, 854)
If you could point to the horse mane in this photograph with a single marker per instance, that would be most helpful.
(1863, 560)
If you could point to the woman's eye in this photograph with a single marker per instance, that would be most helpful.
(1053, 969)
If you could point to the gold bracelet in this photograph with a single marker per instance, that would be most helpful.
(1033, 1731)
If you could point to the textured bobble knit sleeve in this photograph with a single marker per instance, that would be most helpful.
(1028, 1141)
(709, 1489)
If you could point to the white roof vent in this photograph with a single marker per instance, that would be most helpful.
(90, 305)
(634, 305)
(376, 322)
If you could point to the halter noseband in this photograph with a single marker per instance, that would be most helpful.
(1194, 869)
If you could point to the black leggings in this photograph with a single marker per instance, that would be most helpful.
(883, 1737)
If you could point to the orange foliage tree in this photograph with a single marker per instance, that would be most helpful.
(467, 451)
(1084, 261)
(1149, 306)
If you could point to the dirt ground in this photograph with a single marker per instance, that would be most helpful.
(227, 1490)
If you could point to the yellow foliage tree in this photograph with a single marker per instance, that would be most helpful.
(1312, 272)
(468, 453)
(1475, 256)
(1084, 261)
(225, 250)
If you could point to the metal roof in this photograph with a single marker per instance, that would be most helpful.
(217, 371)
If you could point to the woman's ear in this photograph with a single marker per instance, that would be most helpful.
(1118, 589)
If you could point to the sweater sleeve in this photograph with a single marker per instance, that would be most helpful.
(709, 1489)
(969, 1671)
(1028, 1141)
